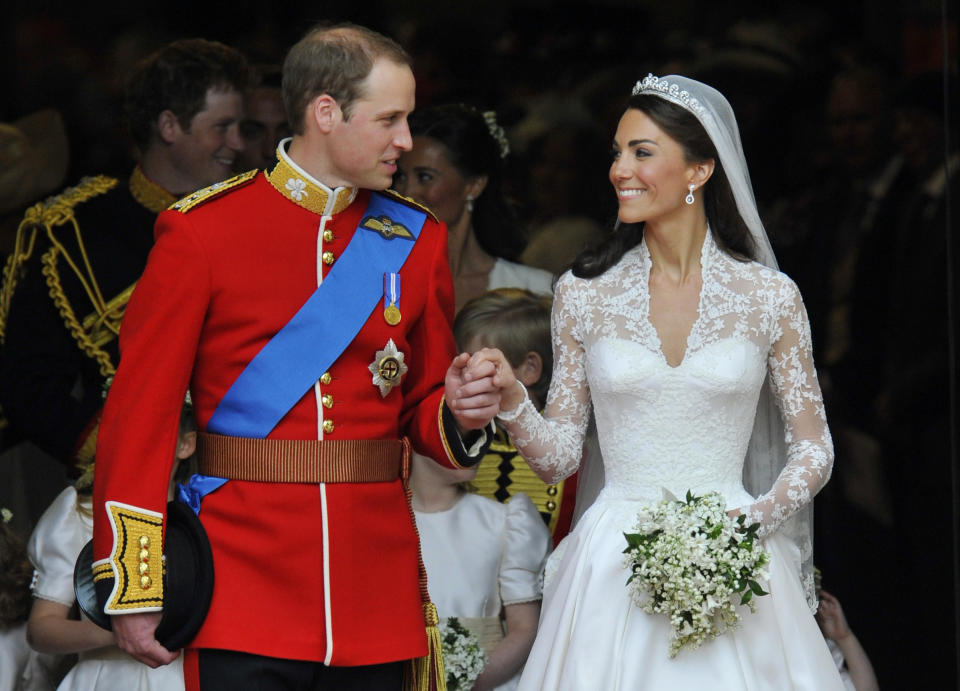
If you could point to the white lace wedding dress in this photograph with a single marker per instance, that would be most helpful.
(680, 428)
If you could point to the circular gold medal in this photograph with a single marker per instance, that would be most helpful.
(392, 315)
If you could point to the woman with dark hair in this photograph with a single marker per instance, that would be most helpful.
(685, 339)
(456, 170)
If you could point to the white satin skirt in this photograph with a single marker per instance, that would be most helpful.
(109, 669)
(591, 636)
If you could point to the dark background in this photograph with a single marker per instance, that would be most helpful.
(577, 62)
(74, 56)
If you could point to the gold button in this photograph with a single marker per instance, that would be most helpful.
(551, 505)
(328, 258)
(325, 378)
(327, 400)
(144, 554)
(328, 236)
(144, 541)
(552, 490)
(145, 582)
(144, 568)
(328, 426)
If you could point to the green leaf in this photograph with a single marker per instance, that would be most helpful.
(746, 597)
(756, 588)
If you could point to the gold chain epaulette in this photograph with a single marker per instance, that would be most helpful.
(195, 199)
(45, 215)
(57, 210)
(393, 194)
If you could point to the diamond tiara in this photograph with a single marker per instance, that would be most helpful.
(661, 87)
(496, 131)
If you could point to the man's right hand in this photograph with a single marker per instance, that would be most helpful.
(474, 402)
(134, 634)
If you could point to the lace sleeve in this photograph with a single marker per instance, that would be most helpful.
(797, 392)
(552, 443)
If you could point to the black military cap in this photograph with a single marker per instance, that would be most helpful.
(187, 580)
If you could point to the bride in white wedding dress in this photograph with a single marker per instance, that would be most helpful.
(682, 336)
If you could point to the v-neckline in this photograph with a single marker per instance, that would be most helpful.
(696, 321)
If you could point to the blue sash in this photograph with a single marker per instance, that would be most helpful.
(295, 358)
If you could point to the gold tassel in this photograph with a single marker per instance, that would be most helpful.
(427, 673)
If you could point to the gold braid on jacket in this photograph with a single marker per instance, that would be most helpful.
(103, 324)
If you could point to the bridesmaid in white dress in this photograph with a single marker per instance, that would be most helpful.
(64, 528)
(682, 336)
(62, 531)
(484, 563)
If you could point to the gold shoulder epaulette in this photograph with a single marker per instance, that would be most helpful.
(195, 199)
(58, 209)
(393, 194)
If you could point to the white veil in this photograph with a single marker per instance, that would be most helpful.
(767, 452)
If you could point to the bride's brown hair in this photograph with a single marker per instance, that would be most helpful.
(726, 224)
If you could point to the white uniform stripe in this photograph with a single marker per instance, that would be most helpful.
(327, 605)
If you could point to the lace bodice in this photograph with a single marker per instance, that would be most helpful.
(686, 427)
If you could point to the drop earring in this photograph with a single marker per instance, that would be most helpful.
(689, 198)
(469, 203)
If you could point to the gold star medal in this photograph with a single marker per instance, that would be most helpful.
(391, 297)
(387, 368)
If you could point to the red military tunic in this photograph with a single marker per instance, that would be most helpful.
(328, 572)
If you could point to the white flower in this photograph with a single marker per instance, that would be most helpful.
(691, 562)
(298, 188)
(463, 658)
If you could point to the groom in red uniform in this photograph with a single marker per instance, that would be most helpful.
(299, 304)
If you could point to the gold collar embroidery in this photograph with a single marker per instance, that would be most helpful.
(148, 193)
(298, 186)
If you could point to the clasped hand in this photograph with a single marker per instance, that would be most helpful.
(480, 385)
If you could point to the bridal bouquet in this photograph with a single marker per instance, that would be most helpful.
(463, 658)
(691, 561)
